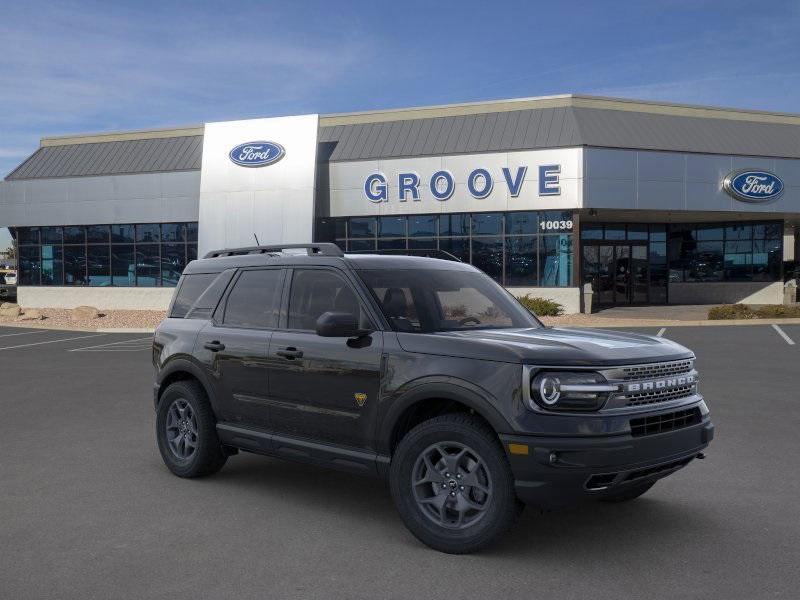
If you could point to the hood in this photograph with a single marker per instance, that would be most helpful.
(547, 346)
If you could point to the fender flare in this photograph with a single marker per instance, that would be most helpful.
(447, 388)
(187, 365)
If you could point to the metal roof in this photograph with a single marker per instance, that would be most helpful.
(182, 153)
(489, 132)
(560, 127)
(504, 125)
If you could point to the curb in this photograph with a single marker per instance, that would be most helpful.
(654, 323)
(126, 330)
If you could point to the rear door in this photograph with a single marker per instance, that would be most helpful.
(234, 345)
(324, 389)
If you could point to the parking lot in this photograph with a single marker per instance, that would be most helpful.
(87, 509)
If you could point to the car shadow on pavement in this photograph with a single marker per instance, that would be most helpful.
(590, 527)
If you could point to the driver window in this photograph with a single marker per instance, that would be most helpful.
(317, 291)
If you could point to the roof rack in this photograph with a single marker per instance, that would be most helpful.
(422, 252)
(321, 249)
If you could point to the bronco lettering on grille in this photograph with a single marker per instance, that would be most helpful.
(658, 384)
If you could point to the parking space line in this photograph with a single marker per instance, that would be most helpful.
(782, 333)
(24, 333)
(82, 337)
(661, 332)
(137, 341)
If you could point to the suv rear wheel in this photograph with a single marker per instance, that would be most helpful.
(186, 431)
(452, 485)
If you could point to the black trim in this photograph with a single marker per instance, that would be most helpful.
(332, 456)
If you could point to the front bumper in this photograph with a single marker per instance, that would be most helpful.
(559, 471)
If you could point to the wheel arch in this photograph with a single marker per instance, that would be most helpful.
(182, 369)
(431, 399)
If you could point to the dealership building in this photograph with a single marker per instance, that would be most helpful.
(650, 203)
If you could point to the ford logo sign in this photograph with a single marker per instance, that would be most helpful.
(257, 154)
(753, 186)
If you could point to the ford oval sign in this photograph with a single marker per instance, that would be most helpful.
(257, 154)
(753, 186)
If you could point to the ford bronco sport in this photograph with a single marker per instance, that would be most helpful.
(422, 371)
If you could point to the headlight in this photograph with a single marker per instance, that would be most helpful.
(570, 390)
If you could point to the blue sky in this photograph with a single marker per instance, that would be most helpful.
(74, 67)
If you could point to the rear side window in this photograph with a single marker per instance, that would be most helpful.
(189, 291)
(254, 300)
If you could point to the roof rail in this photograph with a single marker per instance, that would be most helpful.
(421, 252)
(321, 249)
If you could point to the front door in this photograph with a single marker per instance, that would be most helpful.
(324, 389)
(618, 272)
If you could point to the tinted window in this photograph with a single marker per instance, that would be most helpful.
(254, 299)
(428, 300)
(191, 288)
(316, 291)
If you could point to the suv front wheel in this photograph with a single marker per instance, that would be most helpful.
(186, 431)
(452, 485)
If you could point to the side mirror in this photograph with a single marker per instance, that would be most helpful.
(339, 324)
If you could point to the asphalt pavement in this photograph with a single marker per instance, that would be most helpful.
(87, 509)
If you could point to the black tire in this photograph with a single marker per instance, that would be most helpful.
(207, 456)
(628, 494)
(446, 529)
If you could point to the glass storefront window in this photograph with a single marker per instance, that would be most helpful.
(458, 247)
(74, 235)
(27, 235)
(123, 265)
(104, 255)
(362, 227)
(521, 263)
(99, 265)
(522, 223)
(148, 265)
(487, 224)
(422, 226)
(454, 225)
(148, 233)
(97, 234)
(506, 245)
(555, 260)
(75, 265)
(391, 227)
(51, 235)
(395, 244)
(173, 261)
(52, 265)
(173, 232)
(591, 231)
(29, 264)
(487, 255)
(122, 234)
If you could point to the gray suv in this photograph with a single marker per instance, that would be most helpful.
(421, 371)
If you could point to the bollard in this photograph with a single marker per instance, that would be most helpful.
(588, 292)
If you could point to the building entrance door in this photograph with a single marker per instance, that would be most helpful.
(618, 272)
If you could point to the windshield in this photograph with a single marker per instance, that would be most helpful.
(430, 300)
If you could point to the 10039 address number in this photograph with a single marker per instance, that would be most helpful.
(556, 225)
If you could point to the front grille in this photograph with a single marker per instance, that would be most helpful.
(641, 398)
(662, 423)
(656, 370)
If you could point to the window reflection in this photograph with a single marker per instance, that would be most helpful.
(105, 255)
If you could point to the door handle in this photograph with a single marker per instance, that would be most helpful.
(290, 353)
(214, 346)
